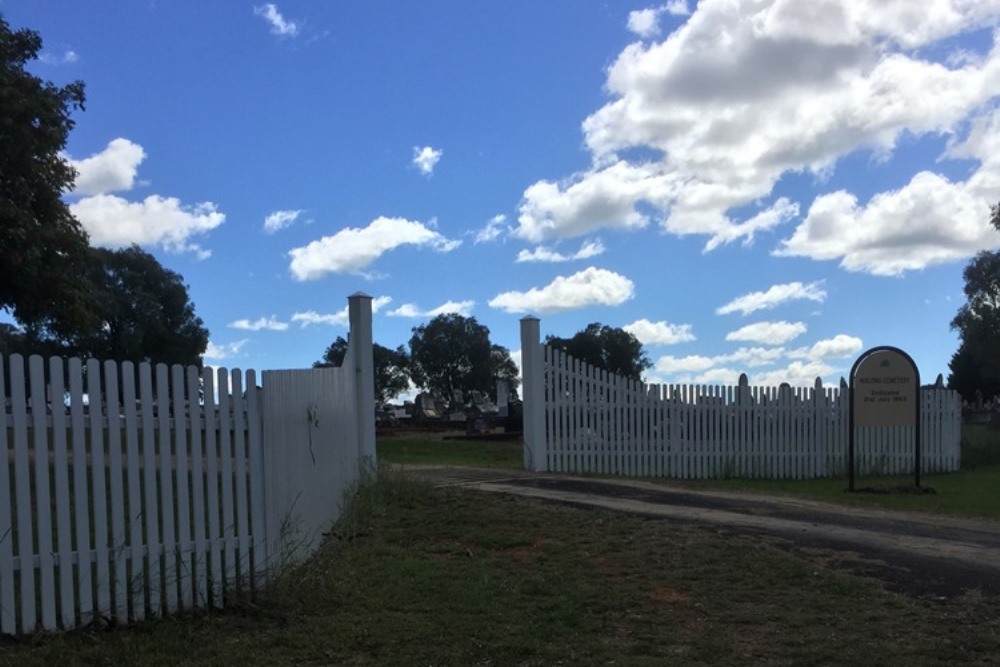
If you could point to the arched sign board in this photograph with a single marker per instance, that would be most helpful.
(885, 391)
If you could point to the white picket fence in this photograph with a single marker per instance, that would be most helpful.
(130, 491)
(582, 419)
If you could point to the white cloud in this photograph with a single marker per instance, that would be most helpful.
(493, 230)
(839, 347)
(352, 250)
(280, 219)
(709, 119)
(797, 374)
(646, 22)
(279, 24)
(928, 221)
(669, 364)
(269, 323)
(463, 308)
(659, 333)
(677, 8)
(113, 169)
(782, 211)
(115, 222)
(426, 158)
(65, 58)
(341, 318)
(773, 297)
(544, 254)
(769, 333)
(605, 197)
(225, 350)
(590, 287)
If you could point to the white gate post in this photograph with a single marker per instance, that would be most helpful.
(532, 372)
(360, 313)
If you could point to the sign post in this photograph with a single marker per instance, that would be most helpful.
(885, 391)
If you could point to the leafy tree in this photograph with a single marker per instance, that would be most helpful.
(503, 368)
(454, 352)
(392, 367)
(976, 364)
(43, 248)
(144, 312)
(612, 349)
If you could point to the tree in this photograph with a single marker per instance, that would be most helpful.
(976, 364)
(454, 352)
(43, 248)
(612, 349)
(144, 312)
(392, 367)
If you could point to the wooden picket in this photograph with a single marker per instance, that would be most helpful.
(597, 422)
(124, 500)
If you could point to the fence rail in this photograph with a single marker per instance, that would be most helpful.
(591, 421)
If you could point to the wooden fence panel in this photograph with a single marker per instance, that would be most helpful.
(597, 422)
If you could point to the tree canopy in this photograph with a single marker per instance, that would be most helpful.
(392, 367)
(975, 366)
(43, 248)
(610, 348)
(144, 312)
(454, 352)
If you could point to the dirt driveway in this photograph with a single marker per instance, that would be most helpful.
(916, 554)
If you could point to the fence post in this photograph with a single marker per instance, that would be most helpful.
(532, 371)
(360, 314)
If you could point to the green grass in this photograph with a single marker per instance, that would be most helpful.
(975, 491)
(425, 450)
(447, 577)
(971, 492)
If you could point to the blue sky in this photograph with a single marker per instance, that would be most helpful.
(766, 187)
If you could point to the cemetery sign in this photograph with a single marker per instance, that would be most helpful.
(885, 391)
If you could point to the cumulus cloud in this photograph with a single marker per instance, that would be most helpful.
(769, 333)
(646, 22)
(352, 250)
(493, 230)
(280, 219)
(544, 254)
(164, 221)
(929, 221)
(65, 58)
(111, 170)
(341, 318)
(280, 26)
(839, 347)
(773, 297)
(225, 350)
(425, 158)
(463, 308)
(796, 373)
(590, 287)
(710, 118)
(669, 364)
(269, 323)
(801, 365)
(659, 333)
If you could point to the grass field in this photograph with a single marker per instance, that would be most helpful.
(422, 576)
(973, 492)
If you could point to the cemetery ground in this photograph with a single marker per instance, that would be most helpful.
(416, 574)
